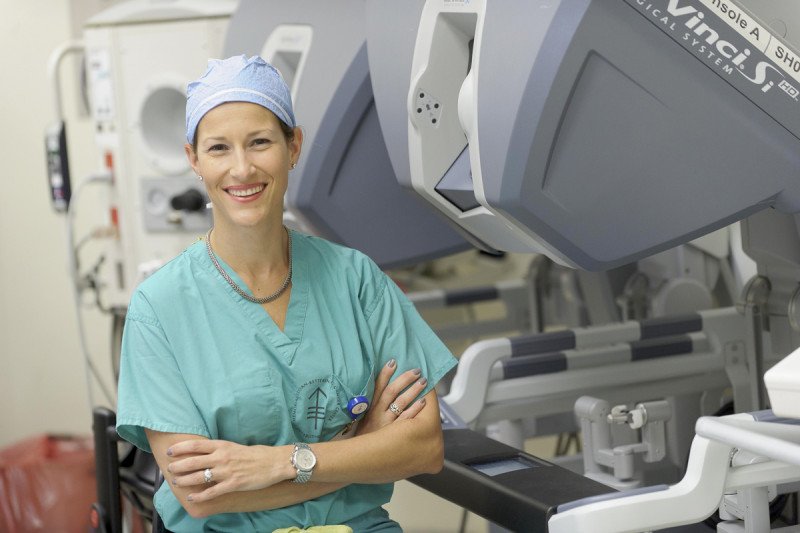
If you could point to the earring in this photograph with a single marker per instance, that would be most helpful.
(200, 177)
(294, 164)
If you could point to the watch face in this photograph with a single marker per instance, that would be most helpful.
(305, 459)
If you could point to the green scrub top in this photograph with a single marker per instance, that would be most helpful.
(197, 358)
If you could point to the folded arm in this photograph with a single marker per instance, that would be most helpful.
(396, 451)
(249, 478)
(275, 496)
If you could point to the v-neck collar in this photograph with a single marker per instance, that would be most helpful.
(285, 341)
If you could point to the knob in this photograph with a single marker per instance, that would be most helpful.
(190, 200)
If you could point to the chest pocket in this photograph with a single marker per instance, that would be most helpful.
(319, 408)
(258, 411)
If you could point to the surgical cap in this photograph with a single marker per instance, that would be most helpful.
(237, 79)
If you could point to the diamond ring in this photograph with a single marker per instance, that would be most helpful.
(395, 409)
(208, 475)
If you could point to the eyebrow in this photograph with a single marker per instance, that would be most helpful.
(267, 131)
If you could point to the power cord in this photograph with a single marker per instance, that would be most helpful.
(72, 254)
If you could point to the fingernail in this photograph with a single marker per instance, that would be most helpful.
(422, 402)
(391, 363)
(422, 382)
(189, 497)
(174, 481)
(417, 371)
(169, 451)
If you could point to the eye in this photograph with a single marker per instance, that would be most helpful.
(217, 148)
(261, 141)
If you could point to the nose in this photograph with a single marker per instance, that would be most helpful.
(241, 167)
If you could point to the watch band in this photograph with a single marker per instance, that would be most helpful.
(303, 476)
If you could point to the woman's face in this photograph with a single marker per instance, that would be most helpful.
(244, 159)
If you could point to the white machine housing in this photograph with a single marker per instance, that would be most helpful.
(783, 386)
(441, 122)
(140, 57)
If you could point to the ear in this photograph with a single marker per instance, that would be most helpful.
(191, 155)
(296, 145)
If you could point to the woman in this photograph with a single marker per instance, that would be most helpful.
(247, 358)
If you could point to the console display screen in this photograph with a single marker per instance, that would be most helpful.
(503, 466)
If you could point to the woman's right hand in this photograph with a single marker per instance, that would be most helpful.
(379, 414)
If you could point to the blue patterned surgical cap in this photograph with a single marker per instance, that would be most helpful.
(237, 79)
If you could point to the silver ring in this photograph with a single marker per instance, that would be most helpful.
(208, 475)
(395, 409)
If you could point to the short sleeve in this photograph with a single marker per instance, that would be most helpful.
(399, 332)
(152, 392)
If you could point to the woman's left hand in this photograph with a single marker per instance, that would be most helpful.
(403, 392)
(234, 467)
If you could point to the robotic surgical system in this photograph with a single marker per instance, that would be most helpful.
(600, 132)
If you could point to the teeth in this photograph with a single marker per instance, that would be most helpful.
(247, 192)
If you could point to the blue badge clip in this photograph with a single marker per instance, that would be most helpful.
(356, 406)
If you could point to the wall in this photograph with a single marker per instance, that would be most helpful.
(42, 383)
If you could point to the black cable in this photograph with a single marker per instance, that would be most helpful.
(560, 445)
(92, 283)
(565, 441)
(463, 527)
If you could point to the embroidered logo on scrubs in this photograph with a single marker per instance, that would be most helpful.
(316, 404)
(317, 411)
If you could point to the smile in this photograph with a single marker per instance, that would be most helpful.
(246, 192)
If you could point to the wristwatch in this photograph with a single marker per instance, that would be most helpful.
(304, 460)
